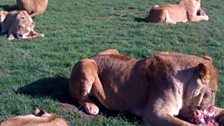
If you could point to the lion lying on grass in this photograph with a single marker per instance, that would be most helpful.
(40, 118)
(185, 10)
(18, 24)
(157, 88)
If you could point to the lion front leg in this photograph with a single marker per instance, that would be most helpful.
(83, 78)
(195, 18)
(161, 112)
(199, 18)
(154, 119)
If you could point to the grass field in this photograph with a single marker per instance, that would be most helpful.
(34, 73)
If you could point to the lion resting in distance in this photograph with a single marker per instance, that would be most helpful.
(33, 7)
(18, 24)
(184, 11)
(156, 88)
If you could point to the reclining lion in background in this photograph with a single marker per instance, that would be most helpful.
(184, 11)
(157, 88)
(18, 24)
(40, 118)
(33, 7)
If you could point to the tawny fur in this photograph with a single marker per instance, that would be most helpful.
(33, 7)
(18, 24)
(184, 11)
(3, 15)
(40, 118)
(156, 88)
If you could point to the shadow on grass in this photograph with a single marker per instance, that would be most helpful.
(8, 7)
(53, 87)
(138, 19)
(57, 89)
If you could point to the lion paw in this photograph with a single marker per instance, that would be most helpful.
(206, 18)
(10, 37)
(41, 35)
(91, 108)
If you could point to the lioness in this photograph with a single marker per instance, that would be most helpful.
(33, 7)
(185, 10)
(18, 24)
(156, 88)
(40, 118)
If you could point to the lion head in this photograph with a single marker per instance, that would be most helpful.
(202, 88)
(24, 25)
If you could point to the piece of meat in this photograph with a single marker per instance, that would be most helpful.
(206, 117)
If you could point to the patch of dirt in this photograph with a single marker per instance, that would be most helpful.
(70, 106)
(91, 117)
(66, 107)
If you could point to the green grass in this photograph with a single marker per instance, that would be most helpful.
(77, 29)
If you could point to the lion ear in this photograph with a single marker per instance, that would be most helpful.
(38, 112)
(208, 58)
(202, 70)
